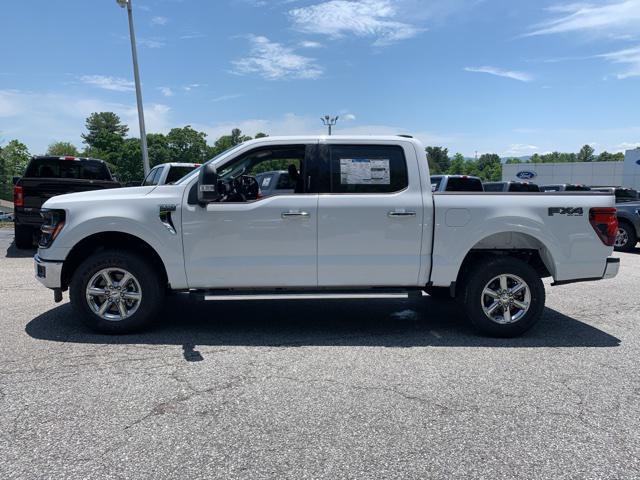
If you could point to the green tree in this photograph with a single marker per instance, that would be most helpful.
(512, 161)
(438, 158)
(489, 167)
(105, 132)
(225, 142)
(611, 157)
(586, 154)
(187, 145)
(457, 165)
(130, 168)
(62, 148)
(14, 158)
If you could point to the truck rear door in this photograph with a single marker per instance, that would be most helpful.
(370, 215)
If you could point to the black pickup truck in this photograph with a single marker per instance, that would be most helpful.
(46, 177)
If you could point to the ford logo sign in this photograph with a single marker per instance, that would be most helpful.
(526, 175)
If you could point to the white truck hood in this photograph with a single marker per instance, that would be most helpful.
(133, 193)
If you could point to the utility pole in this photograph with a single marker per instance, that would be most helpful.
(136, 76)
(329, 122)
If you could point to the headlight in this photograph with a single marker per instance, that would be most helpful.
(53, 223)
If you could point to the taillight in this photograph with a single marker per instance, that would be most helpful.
(18, 196)
(605, 223)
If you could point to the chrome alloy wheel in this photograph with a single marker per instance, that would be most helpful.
(505, 299)
(113, 294)
(622, 238)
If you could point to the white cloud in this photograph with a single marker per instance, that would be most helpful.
(160, 21)
(376, 19)
(41, 118)
(521, 76)
(150, 43)
(617, 16)
(628, 56)
(109, 83)
(310, 44)
(349, 117)
(224, 98)
(166, 91)
(275, 61)
(191, 86)
(519, 150)
(292, 124)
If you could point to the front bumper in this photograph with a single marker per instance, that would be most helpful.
(48, 273)
(612, 267)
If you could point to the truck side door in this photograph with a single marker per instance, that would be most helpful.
(370, 215)
(267, 242)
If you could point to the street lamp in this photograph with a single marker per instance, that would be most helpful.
(329, 121)
(136, 77)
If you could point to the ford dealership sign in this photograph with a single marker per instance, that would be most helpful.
(526, 175)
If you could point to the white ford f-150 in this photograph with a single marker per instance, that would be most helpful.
(362, 217)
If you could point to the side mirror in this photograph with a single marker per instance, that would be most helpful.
(208, 184)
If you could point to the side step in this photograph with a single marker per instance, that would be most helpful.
(304, 294)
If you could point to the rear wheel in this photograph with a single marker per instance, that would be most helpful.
(116, 292)
(23, 236)
(626, 238)
(503, 296)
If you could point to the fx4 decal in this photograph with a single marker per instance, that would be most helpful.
(569, 211)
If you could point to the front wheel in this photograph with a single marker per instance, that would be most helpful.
(116, 292)
(503, 296)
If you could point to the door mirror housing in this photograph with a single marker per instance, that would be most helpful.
(208, 184)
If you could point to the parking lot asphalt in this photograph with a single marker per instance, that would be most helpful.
(383, 388)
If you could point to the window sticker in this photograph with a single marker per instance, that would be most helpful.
(364, 171)
(266, 181)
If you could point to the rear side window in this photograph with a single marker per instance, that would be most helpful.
(461, 184)
(577, 188)
(435, 183)
(176, 173)
(367, 169)
(74, 169)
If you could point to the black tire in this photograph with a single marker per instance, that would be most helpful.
(150, 285)
(23, 236)
(478, 277)
(631, 238)
(439, 293)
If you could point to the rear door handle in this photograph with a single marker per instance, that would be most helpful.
(401, 213)
(295, 214)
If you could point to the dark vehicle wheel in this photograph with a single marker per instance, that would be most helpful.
(116, 292)
(626, 238)
(23, 236)
(503, 296)
(439, 293)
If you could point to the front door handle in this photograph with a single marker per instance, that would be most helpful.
(401, 213)
(295, 214)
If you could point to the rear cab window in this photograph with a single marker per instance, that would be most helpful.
(464, 184)
(80, 169)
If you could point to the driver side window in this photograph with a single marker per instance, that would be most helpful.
(238, 180)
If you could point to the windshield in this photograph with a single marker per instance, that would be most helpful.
(191, 174)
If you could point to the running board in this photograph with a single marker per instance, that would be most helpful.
(304, 294)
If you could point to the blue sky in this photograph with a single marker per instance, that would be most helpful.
(505, 76)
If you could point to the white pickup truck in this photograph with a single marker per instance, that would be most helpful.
(362, 218)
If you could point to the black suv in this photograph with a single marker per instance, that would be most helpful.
(46, 177)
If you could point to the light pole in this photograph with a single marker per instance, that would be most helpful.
(329, 122)
(136, 76)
